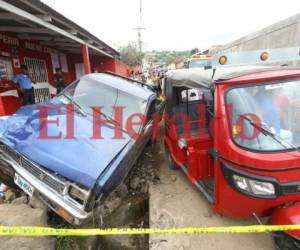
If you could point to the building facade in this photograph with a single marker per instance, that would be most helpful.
(33, 34)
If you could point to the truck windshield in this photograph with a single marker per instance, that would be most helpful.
(265, 117)
(87, 93)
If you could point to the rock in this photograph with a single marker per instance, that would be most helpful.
(36, 203)
(173, 178)
(149, 155)
(89, 243)
(144, 188)
(9, 195)
(134, 183)
(3, 188)
(126, 213)
(208, 214)
(122, 191)
(112, 204)
(23, 215)
(20, 200)
(162, 218)
(117, 242)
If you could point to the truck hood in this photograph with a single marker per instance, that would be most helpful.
(80, 159)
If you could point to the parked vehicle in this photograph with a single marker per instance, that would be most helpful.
(234, 131)
(199, 61)
(69, 160)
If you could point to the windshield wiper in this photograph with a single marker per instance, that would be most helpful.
(78, 106)
(266, 131)
(109, 118)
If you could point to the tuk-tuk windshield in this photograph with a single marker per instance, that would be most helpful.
(265, 117)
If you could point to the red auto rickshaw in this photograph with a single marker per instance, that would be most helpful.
(235, 133)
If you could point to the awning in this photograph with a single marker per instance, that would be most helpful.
(34, 20)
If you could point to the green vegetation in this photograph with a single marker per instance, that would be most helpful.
(131, 55)
(167, 57)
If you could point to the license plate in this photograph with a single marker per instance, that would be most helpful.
(24, 185)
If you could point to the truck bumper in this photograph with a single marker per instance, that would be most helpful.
(55, 201)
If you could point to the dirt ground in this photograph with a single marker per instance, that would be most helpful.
(175, 202)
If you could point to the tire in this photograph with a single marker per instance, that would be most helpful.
(284, 241)
(171, 163)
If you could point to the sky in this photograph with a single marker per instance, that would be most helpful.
(174, 24)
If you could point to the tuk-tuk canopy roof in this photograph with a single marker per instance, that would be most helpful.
(200, 77)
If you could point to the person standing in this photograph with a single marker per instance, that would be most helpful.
(25, 83)
(58, 80)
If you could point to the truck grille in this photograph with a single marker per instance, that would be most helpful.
(35, 170)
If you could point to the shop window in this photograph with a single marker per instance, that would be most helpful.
(6, 69)
(37, 69)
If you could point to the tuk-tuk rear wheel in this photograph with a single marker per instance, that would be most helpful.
(284, 241)
(171, 163)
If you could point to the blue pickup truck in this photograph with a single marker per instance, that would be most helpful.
(75, 149)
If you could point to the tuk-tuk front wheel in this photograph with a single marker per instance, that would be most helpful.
(171, 163)
(284, 241)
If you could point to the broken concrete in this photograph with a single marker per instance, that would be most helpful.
(21, 200)
(36, 203)
(9, 195)
(23, 215)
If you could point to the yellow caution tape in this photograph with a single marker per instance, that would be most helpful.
(47, 231)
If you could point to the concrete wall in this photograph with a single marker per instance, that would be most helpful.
(285, 33)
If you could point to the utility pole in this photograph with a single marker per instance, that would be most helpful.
(139, 28)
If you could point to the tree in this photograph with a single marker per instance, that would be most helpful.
(194, 51)
(131, 55)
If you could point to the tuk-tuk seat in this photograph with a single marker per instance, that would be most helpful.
(191, 111)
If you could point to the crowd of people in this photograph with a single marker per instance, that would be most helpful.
(155, 79)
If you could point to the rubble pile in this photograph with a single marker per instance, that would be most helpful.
(145, 171)
(17, 209)
(128, 206)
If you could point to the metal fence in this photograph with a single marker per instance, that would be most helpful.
(38, 71)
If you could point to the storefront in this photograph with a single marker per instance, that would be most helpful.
(33, 34)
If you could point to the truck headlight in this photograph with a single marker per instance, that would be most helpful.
(253, 186)
(79, 195)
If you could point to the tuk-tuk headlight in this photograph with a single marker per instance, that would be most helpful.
(253, 186)
(258, 186)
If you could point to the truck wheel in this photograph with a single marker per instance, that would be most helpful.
(284, 241)
(171, 163)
